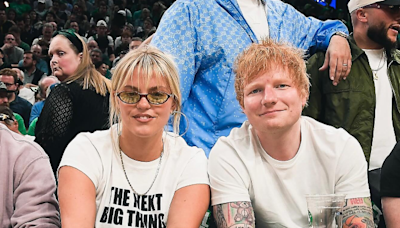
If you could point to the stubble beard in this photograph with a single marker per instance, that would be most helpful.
(379, 34)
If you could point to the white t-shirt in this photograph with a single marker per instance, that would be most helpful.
(329, 161)
(384, 138)
(181, 166)
(255, 15)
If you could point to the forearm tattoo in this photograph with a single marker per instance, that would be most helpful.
(234, 215)
(358, 213)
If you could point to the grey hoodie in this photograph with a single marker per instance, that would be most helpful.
(27, 184)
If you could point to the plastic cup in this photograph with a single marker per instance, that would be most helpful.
(324, 210)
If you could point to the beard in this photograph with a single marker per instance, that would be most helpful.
(379, 34)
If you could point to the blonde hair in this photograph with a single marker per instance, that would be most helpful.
(149, 61)
(86, 72)
(267, 55)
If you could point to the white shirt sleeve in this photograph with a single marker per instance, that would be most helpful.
(229, 178)
(82, 155)
(195, 171)
(352, 171)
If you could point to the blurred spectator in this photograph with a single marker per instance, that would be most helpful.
(47, 32)
(44, 90)
(41, 64)
(4, 24)
(127, 27)
(3, 64)
(7, 118)
(16, 31)
(59, 15)
(126, 38)
(13, 54)
(118, 23)
(136, 42)
(101, 28)
(108, 53)
(11, 15)
(41, 10)
(96, 56)
(17, 104)
(147, 30)
(50, 17)
(139, 22)
(100, 14)
(92, 45)
(32, 74)
(101, 67)
(24, 92)
(75, 26)
(157, 12)
(4, 94)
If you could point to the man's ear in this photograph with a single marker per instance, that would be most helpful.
(362, 16)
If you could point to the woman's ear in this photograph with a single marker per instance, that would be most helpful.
(80, 56)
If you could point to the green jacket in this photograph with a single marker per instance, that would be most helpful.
(351, 104)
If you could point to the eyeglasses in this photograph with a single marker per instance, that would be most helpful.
(392, 9)
(155, 98)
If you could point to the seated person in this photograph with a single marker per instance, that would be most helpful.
(27, 184)
(277, 157)
(13, 121)
(135, 174)
(390, 188)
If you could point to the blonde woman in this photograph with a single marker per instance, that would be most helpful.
(136, 174)
(78, 104)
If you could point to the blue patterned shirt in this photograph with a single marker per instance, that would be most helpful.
(205, 36)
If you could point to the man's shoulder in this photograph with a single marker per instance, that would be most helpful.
(17, 147)
(239, 142)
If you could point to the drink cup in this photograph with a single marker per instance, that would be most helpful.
(325, 211)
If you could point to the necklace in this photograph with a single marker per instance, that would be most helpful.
(375, 72)
(155, 177)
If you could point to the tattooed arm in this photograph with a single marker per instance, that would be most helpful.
(357, 212)
(234, 215)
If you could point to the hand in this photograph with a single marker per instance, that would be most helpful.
(338, 56)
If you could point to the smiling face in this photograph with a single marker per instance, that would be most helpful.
(144, 119)
(272, 102)
(64, 60)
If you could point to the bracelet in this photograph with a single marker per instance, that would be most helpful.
(342, 34)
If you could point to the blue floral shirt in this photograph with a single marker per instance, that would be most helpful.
(205, 36)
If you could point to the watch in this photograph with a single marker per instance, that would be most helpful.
(342, 34)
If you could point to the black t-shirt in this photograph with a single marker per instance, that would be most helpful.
(390, 174)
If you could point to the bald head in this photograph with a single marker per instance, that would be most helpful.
(92, 45)
(36, 50)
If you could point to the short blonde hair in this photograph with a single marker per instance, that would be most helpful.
(267, 55)
(149, 61)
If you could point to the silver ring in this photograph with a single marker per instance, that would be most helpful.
(344, 64)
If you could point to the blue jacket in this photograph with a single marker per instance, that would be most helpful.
(205, 36)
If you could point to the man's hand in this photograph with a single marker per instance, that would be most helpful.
(338, 56)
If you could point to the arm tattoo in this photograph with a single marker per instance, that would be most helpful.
(358, 213)
(234, 215)
(219, 217)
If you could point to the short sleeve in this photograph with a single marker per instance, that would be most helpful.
(352, 171)
(195, 171)
(229, 178)
(390, 174)
(82, 155)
